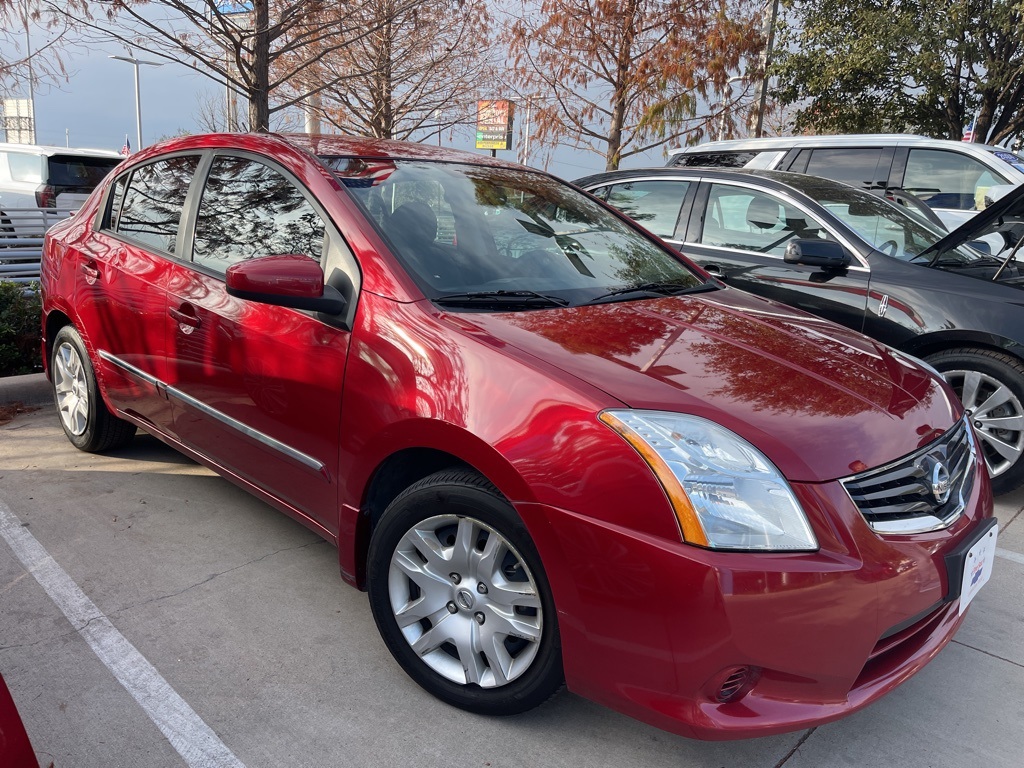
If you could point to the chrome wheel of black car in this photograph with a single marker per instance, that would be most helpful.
(991, 387)
(460, 598)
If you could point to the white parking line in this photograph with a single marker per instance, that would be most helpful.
(1008, 555)
(194, 740)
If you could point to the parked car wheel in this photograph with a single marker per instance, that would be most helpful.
(83, 414)
(461, 599)
(991, 386)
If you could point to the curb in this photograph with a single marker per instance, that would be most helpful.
(31, 389)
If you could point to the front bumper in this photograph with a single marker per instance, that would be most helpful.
(651, 627)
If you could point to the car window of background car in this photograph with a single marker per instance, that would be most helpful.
(75, 171)
(514, 230)
(25, 167)
(948, 179)
(249, 210)
(883, 225)
(714, 159)
(653, 204)
(151, 211)
(857, 167)
(1011, 158)
(750, 220)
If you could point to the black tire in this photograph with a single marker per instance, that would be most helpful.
(480, 667)
(977, 375)
(87, 422)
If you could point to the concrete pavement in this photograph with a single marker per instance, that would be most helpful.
(242, 613)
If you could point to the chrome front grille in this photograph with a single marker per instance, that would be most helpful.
(924, 491)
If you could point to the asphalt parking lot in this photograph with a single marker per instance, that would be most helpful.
(237, 615)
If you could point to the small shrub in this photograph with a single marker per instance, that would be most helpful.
(20, 334)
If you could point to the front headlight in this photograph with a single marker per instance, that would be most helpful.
(726, 493)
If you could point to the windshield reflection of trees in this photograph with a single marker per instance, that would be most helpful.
(514, 230)
(250, 210)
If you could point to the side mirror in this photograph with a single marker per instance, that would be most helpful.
(290, 280)
(817, 253)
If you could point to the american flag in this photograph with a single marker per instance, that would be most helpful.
(127, 148)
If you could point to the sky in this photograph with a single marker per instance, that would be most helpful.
(95, 108)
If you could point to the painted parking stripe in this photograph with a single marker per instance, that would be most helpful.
(1008, 555)
(194, 740)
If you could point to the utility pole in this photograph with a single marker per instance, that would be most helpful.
(766, 59)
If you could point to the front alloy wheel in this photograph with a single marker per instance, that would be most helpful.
(460, 597)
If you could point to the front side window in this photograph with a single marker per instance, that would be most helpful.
(750, 220)
(514, 234)
(652, 204)
(250, 210)
(945, 179)
(153, 202)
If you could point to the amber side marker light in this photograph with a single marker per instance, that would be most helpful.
(686, 516)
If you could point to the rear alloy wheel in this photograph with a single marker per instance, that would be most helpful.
(83, 414)
(991, 386)
(460, 597)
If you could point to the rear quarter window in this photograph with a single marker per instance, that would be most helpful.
(714, 159)
(25, 167)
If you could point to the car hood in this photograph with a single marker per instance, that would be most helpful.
(820, 401)
(1003, 213)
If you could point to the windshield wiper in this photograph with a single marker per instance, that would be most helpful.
(659, 289)
(503, 299)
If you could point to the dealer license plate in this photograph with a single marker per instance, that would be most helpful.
(978, 567)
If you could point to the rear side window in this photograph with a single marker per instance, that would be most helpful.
(856, 167)
(83, 172)
(945, 179)
(249, 210)
(151, 210)
(25, 167)
(653, 204)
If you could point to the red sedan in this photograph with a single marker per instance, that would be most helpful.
(551, 448)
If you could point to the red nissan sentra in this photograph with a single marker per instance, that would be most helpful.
(551, 449)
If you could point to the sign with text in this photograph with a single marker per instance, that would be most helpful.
(494, 124)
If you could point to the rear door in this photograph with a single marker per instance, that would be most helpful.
(257, 388)
(121, 289)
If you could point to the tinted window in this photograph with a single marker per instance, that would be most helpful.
(858, 167)
(250, 210)
(946, 179)
(84, 172)
(714, 159)
(655, 204)
(116, 198)
(515, 231)
(153, 202)
(749, 220)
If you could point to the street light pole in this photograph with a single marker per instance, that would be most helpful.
(138, 100)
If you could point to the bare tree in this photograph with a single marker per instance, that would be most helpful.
(418, 72)
(25, 62)
(624, 76)
(256, 52)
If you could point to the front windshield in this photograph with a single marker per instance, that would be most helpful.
(885, 226)
(465, 229)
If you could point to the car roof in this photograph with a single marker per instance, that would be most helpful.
(779, 180)
(329, 145)
(835, 140)
(48, 151)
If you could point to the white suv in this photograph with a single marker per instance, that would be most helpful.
(33, 176)
(953, 177)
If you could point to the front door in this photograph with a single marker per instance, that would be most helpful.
(257, 388)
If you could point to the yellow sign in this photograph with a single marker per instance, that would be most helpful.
(494, 124)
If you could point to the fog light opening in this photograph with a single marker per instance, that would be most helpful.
(736, 683)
